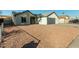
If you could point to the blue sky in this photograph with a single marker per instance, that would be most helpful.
(59, 12)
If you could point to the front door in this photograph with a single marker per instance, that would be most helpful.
(32, 20)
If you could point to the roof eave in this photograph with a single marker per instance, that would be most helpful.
(24, 12)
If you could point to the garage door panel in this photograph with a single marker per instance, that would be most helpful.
(51, 21)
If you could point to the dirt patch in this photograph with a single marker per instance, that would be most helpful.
(50, 36)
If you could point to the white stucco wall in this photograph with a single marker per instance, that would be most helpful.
(43, 20)
(61, 20)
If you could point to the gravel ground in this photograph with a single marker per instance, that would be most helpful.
(49, 36)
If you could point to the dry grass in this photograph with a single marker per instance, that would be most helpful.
(50, 36)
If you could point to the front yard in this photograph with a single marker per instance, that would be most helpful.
(48, 36)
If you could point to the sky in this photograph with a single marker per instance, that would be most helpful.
(72, 13)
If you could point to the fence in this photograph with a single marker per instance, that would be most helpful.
(1, 31)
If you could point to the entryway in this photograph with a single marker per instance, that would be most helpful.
(23, 19)
(32, 20)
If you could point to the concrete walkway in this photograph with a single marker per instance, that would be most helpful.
(75, 43)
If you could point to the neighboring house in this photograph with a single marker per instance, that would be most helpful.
(75, 21)
(4, 21)
(64, 19)
(28, 17)
(7, 19)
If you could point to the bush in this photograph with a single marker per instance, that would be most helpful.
(74, 21)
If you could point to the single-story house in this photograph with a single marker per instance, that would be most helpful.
(64, 19)
(27, 17)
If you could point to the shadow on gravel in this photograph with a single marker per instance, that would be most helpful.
(32, 44)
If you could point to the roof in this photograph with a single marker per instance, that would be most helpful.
(48, 14)
(38, 15)
(22, 12)
(63, 17)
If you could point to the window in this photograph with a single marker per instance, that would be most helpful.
(23, 19)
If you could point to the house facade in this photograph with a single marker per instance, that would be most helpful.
(28, 17)
(50, 18)
(25, 17)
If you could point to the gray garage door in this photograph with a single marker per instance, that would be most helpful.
(51, 21)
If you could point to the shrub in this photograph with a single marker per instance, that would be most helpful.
(74, 21)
